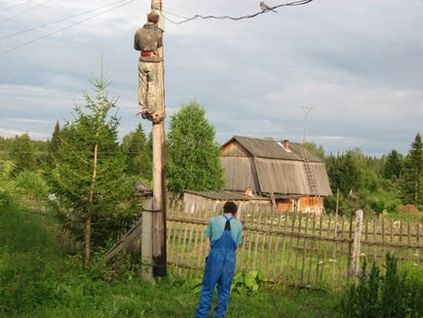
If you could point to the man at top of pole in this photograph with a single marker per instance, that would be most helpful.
(148, 39)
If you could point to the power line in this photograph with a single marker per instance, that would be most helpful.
(63, 28)
(14, 6)
(61, 20)
(223, 17)
(25, 12)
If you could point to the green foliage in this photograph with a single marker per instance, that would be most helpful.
(4, 198)
(193, 155)
(27, 255)
(38, 280)
(138, 154)
(32, 186)
(344, 172)
(388, 294)
(413, 289)
(246, 283)
(23, 154)
(53, 147)
(412, 177)
(361, 183)
(86, 187)
(393, 165)
(317, 150)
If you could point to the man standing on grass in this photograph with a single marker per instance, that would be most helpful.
(225, 235)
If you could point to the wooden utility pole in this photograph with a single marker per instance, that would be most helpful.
(154, 215)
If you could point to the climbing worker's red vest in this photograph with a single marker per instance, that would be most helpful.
(147, 53)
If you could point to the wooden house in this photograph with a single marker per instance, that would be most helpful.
(292, 177)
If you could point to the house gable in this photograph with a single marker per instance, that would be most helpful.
(266, 167)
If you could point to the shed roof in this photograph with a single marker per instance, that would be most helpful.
(226, 195)
(267, 148)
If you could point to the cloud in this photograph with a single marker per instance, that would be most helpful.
(8, 133)
(358, 64)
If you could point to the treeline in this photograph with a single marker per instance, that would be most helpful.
(357, 180)
(377, 185)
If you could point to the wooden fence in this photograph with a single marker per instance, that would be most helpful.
(296, 248)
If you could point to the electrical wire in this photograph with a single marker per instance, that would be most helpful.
(25, 12)
(61, 20)
(63, 28)
(14, 6)
(205, 17)
(123, 3)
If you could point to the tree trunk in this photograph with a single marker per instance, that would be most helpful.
(87, 227)
(87, 241)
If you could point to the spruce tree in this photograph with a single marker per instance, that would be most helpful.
(344, 172)
(412, 174)
(53, 146)
(88, 173)
(138, 154)
(193, 155)
(393, 165)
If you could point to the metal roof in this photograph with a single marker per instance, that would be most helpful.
(271, 169)
(267, 148)
(226, 196)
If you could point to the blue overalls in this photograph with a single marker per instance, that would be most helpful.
(220, 268)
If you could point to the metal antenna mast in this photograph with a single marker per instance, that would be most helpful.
(306, 110)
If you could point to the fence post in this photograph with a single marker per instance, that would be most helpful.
(355, 259)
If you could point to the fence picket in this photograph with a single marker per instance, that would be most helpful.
(293, 247)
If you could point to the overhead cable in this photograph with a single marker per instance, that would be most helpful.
(25, 12)
(226, 17)
(63, 28)
(14, 6)
(60, 20)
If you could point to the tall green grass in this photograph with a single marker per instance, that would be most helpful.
(38, 279)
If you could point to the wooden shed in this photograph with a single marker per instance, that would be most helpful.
(288, 174)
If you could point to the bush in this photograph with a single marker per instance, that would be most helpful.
(31, 186)
(388, 294)
(246, 283)
(4, 198)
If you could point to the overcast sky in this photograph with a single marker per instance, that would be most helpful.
(358, 64)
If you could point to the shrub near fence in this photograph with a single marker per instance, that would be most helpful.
(297, 248)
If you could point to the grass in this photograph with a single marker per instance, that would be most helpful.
(39, 279)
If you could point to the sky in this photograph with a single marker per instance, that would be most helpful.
(358, 65)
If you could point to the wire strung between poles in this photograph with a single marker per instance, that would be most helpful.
(226, 17)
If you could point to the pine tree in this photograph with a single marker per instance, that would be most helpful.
(193, 155)
(88, 175)
(412, 177)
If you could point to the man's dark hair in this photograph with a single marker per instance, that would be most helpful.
(230, 207)
(153, 17)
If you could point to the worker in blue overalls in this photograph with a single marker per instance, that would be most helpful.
(225, 235)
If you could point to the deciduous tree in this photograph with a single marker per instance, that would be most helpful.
(193, 155)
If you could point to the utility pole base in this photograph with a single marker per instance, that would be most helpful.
(147, 247)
